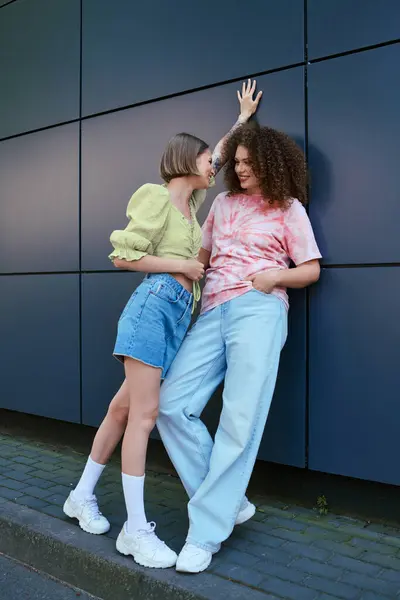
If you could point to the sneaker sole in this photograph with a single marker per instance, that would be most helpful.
(202, 567)
(70, 513)
(142, 560)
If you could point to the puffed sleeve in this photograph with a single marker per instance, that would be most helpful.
(147, 212)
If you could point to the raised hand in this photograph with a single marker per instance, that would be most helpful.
(248, 104)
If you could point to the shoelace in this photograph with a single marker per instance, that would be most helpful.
(93, 509)
(149, 533)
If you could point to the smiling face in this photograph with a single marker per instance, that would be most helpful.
(244, 171)
(265, 162)
(205, 170)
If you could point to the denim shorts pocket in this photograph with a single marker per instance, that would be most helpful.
(162, 290)
(186, 306)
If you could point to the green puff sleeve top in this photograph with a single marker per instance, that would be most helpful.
(158, 228)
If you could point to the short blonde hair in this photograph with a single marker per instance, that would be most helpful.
(179, 157)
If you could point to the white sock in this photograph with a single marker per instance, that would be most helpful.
(133, 492)
(90, 476)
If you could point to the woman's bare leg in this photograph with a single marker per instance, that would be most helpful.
(105, 441)
(81, 504)
(137, 537)
(113, 426)
(143, 383)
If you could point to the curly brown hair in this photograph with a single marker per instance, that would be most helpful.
(277, 161)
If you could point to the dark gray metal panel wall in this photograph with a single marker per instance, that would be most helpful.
(128, 59)
(341, 25)
(39, 345)
(39, 208)
(355, 376)
(121, 151)
(357, 209)
(137, 51)
(104, 295)
(39, 64)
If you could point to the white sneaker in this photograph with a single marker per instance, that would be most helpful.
(245, 514)
(146, 548)
(87, 512)
(193, 559)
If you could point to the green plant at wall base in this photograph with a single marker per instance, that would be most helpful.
(322, 505)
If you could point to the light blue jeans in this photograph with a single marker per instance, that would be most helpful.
(240, 340)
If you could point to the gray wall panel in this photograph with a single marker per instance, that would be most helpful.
(354, 125)
(39, 64)
(136, 51)
(354, 373)
(340, 25)
(39, 345)
(121, 151)
(39, 211)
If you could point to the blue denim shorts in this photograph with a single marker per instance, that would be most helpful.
(154, 322)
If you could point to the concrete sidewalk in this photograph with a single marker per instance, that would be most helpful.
(284, 552)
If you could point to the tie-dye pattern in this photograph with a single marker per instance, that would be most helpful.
(246, 236)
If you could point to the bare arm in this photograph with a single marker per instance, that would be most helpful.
(298, 277)
(248, 107)
(150, 264)
(192, 269)
(204, 257)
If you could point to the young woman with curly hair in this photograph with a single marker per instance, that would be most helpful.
(252, 234)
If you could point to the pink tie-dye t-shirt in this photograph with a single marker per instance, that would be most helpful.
(245, 235)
